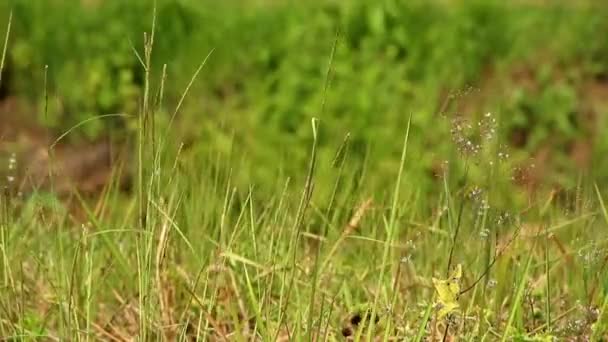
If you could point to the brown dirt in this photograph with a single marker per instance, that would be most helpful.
(85, 167)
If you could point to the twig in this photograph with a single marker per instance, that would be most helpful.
(487, 270)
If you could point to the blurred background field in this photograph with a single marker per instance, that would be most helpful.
(511, 94)
(540, 68)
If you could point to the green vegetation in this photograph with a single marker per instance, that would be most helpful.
(409, 170)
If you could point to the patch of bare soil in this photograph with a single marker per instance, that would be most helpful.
(30, 160)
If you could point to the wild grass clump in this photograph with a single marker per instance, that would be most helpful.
(324, 253)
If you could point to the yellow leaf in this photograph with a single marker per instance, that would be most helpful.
(448, 291)
(456, 273)
(445, 310)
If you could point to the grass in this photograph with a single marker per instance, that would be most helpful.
(316, 254)
(213, 268)
(213, 261)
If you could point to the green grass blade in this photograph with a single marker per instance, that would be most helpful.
(515, 305)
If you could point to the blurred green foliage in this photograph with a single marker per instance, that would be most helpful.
(265, 79)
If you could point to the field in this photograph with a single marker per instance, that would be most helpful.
(180, 170)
